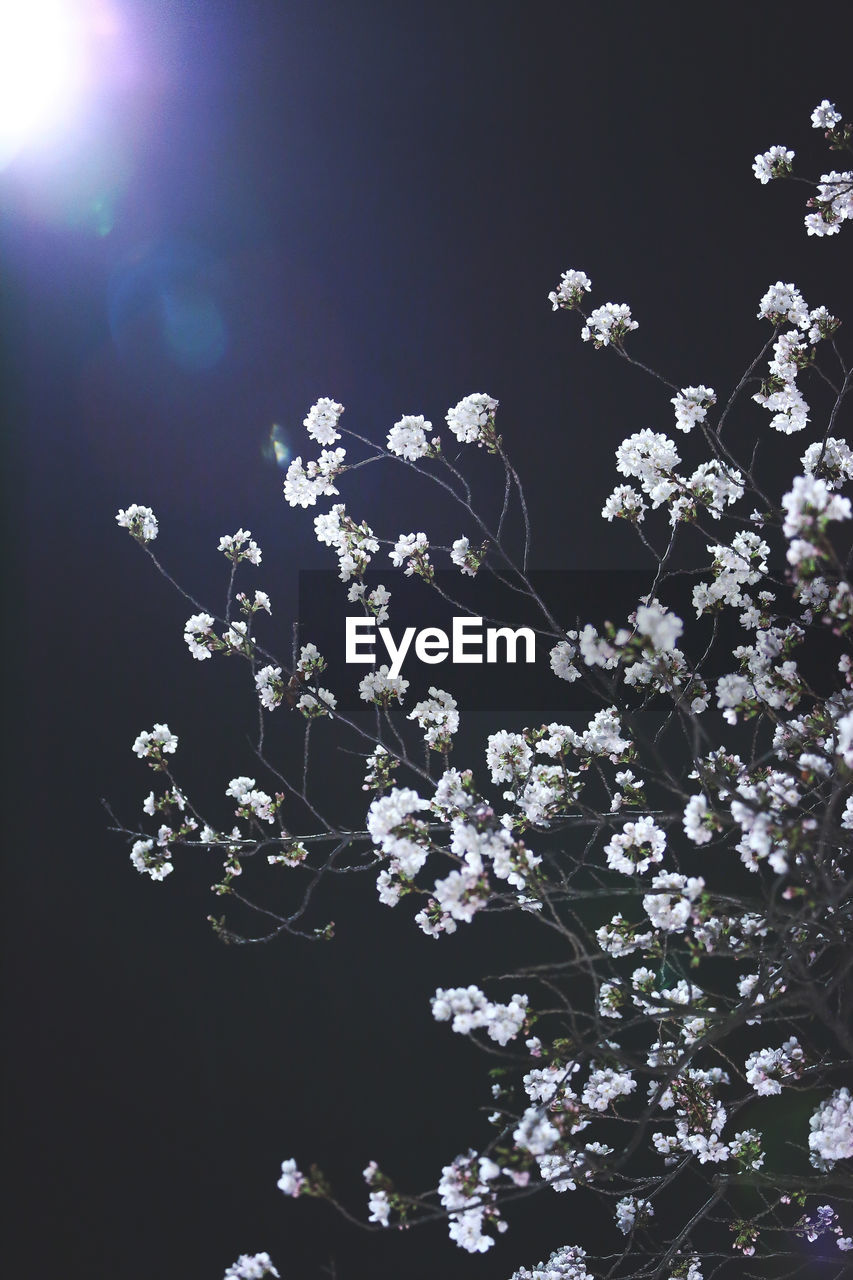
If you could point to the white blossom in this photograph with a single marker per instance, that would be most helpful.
(651, 457)
(825, 115)
(670, 908)
(609, 323)
(831, 1125)
(766, 1069)
(380, 1207)
(696, 828)
(624, 503)
(140, 522)
(198, 634)
(291, 1181)
(438, 718)
(469, 1009)
(240, 546)
(810, 500)
(304, 484)
(630, 1212)
(151, 743)
(566, 1263)
(411, 549)
(573, 284)
(835, 458)
(834, 201)
(270, 686)
(464, 558)
(470, 419)
(507, 755)
(660, 626)
(407, 438)
(784, 302)
(320, 702)
(691, 406)
(633, 850)
(561, 661)
(253, 1267)
(147, 860)
(775, 163)
(379, 687)
(606, 1085)
(322, 421)
(395, 830)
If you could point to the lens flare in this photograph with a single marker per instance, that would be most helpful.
(276, 448)
(43, 68)
(193, 328)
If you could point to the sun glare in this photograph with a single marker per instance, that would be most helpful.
(42, 69)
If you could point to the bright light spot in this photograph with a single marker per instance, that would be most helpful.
(43, 57)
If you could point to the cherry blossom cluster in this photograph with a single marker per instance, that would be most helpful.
(833, 201)
(381, 688)
(202, 641)
(686, 842)
(305, 483)
(153, 744)
(692, 405)
(240, 546)
(609, 323)
(768, 1068)
(465, 557)
(465, 1192)
(470, 1010)
(652, 458)
(375, 602)
(321, 421)
(831, 1125)
(251, 1268)
(793, 351)
(140, 522)
(438, 717)
(150, 859)
(566, 1263)
(412, 551)
(605, 325)
(408, 439)
(472, 420)
(353, 543)
(632, 1213)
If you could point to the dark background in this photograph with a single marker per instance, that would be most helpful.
(266, 203)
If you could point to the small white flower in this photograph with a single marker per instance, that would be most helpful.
(825, 115)
(291, 1181)
(380, 1207)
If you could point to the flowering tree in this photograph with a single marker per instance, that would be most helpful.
(687, 847)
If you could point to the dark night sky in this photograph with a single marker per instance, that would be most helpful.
(265, 203)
